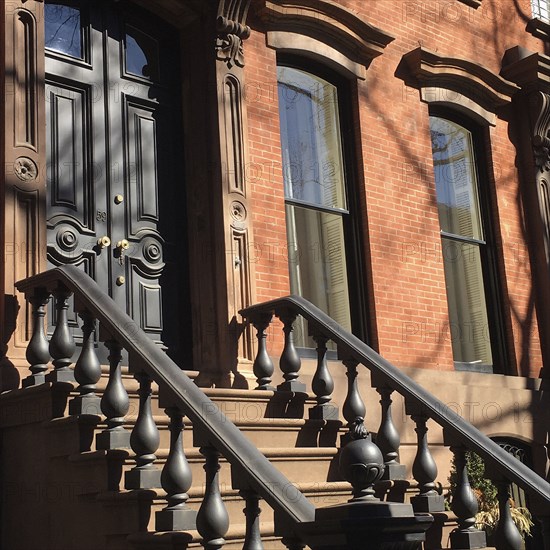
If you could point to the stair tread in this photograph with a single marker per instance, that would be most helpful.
(197, 492)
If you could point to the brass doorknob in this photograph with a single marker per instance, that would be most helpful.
(103, 242)
(123, 245)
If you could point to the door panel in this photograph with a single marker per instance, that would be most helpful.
(113, 139)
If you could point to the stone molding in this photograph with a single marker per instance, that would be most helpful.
(327, 23)
(529, 70)
(471, 87)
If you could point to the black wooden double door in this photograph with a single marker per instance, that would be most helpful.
(115, 189)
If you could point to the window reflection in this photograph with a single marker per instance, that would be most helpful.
(310, 138)
(313, 170)
(63, 29)
(141, 54)
(463, 244)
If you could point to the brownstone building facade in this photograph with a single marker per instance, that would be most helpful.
(385, 159)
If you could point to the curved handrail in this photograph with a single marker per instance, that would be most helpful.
(459, 430)
(144, 354)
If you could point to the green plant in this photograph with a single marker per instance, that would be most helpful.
(486, 494)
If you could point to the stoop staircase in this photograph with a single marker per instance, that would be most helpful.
(140, 458)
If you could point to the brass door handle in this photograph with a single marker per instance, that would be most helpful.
(123, 245)
(103, 242)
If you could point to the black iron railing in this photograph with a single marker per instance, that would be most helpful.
(213, 432)
(362, 462)
(459, 435)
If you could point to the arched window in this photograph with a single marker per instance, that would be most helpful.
(319, 205)
(467, 245)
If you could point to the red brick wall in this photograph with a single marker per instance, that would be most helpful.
(396, 183)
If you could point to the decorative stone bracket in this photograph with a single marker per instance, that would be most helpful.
(229, 43)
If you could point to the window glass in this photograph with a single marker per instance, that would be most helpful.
(468, 320)
(141, 54)
(541, 9)
(316, 255)
(316, 207)
(310, 138)
(463, 246)
(63, 29)
(455, 179)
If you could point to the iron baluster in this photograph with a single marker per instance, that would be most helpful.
(424, 471)
(388, 439)
(62, 343)
(322, 384)
(87, 371)
(290, 360)
(212, 519)
(252, 510)
(114, 404)
(144, 441)
(507, 535)
(38, 354)
(176, 479)
(464, 505)
(263, 366)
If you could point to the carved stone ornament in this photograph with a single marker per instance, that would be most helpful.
(540, 104)
(229, 44)
(238, 211)
(25, 169)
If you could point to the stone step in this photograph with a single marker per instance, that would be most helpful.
(263, 432)
(104, 470)
(181, 541)
(236, 404)
(73, 434)
(127, 510)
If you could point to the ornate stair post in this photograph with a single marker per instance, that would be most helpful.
(62, 344)
(176, 479)
(114, 404)
(144, 441)
(38, 354)
(87, 372)
(212, 519)
(365, 517)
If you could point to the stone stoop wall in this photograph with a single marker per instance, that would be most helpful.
(499, 406)
(405, 284)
